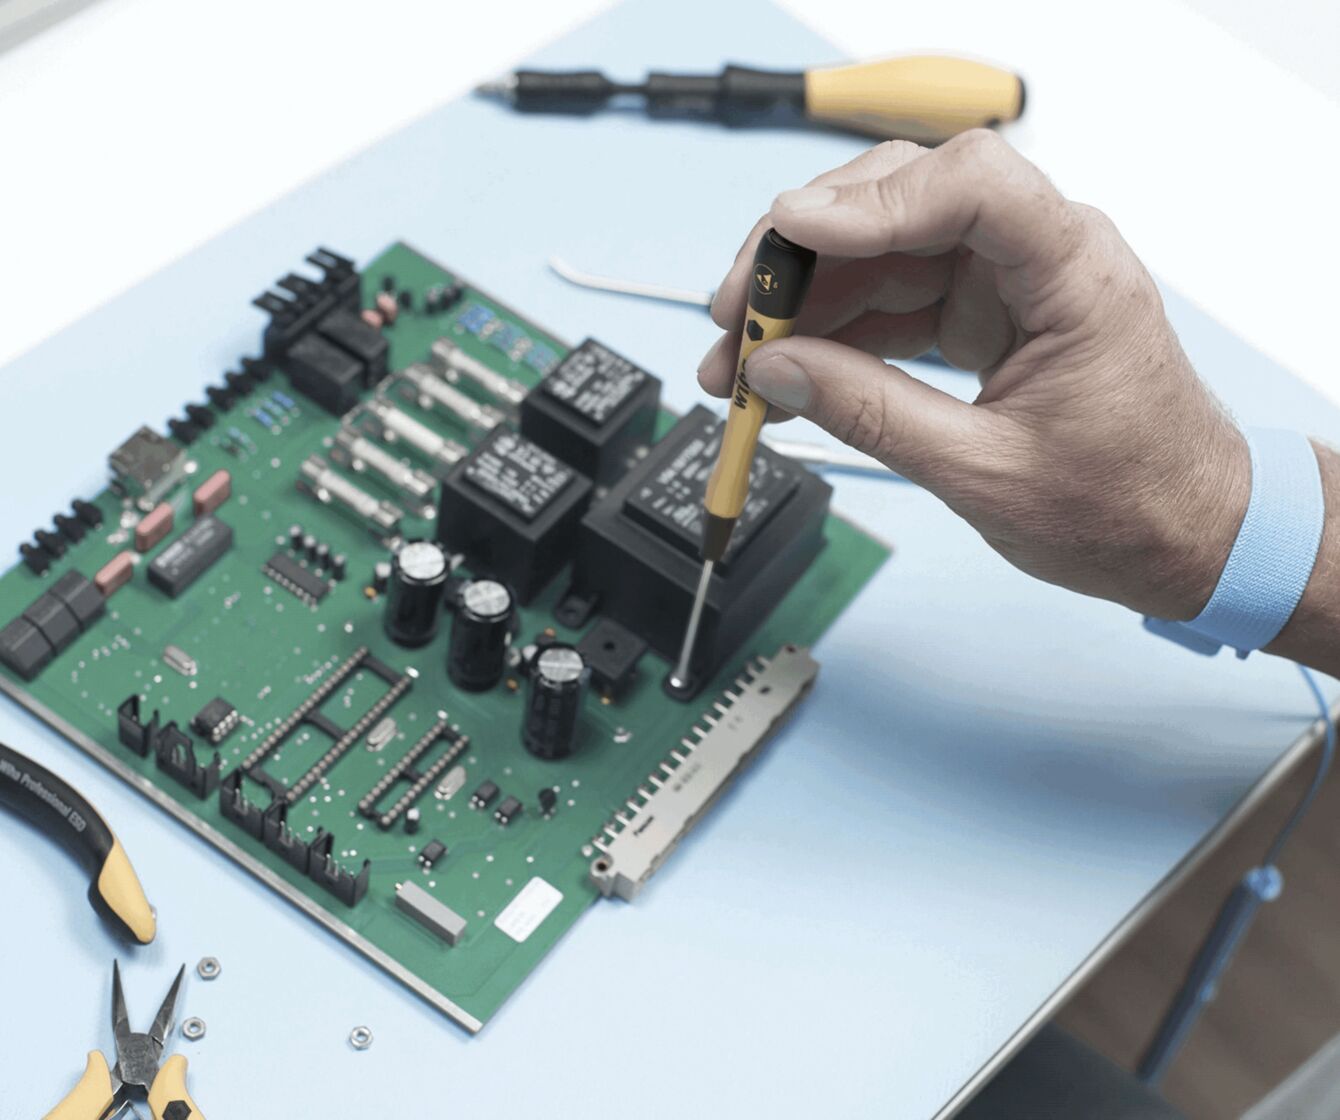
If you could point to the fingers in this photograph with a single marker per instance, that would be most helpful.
(891, 336)
(880, 333)
(916, 430)
(974, 191)
(895, 284)
(976, 330)
(716, 372)
(728, 304)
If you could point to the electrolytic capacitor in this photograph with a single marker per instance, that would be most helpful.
(309, 546)
(477, 654)
(322, 555)
(413, 818)
(414, 593)
(557, 681)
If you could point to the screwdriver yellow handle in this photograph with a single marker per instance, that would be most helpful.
(91, 1097)
(781, 276)
(168, 1098)
(927, 98)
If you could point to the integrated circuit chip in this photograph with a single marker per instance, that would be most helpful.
(191, 555)
(295, 579)
(216, 720)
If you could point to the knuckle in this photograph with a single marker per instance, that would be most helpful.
(865, 420)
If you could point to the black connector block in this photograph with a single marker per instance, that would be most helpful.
(317, 337)
(132, 730)
(307, 301)
(326, 872)
(174, 754)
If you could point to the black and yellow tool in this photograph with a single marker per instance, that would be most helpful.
(777, 286)
(926, 98)
(57, 808)
(104, 1089)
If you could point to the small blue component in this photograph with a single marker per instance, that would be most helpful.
(541, 358)
(283, 400)
(506, 337)
(475, 318)
(263, 418)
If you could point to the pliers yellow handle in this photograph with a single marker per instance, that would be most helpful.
(95, 1094)
(92, 1098)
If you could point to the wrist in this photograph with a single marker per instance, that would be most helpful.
(1312, 634)
(1204, 514)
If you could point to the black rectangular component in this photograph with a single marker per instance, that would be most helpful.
(593, 410)
(24, 649)
(77, 592)
(433, 851)
(524, 477)
(637, 552)
(191, 555)
(350, 333)
(322, 371)
(513, 510)
(294, 578)
(483, 797)
(669, 501)
(56, 621)
(509, 808)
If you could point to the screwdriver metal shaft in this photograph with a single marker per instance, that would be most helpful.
(778, 283)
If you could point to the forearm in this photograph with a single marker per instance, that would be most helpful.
(1312, 634)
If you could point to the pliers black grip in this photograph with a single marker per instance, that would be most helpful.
(62, 811)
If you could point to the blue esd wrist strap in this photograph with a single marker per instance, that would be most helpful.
(1272, 559)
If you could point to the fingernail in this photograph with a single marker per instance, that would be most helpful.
(712, 352)
(780, 381)
(807, 198)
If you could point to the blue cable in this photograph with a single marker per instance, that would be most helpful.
(1260, 885)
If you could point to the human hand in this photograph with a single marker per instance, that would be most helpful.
(1093, 457)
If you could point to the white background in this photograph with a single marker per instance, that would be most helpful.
(137, 129)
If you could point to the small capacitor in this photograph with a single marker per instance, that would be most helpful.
(339, 566)
(309, 546)
(477, 653)
(323, 555)
(381, 575)
(554, 701)
(412, 820)
(295, 534)
(414, 594)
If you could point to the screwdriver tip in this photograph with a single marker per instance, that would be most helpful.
(503, 88)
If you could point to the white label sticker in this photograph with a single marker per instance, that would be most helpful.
(533, 903)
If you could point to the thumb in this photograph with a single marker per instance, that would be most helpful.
(876, 408)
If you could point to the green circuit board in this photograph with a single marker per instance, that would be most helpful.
(248, 640)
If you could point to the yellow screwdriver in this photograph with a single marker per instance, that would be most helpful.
(927, 98)
(777, 285)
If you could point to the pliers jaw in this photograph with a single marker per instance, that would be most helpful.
(138, 1055)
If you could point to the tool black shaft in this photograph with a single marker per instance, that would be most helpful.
(738, 95)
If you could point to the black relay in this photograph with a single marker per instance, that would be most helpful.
(593, 410)
(513, 510)
(637, 552)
